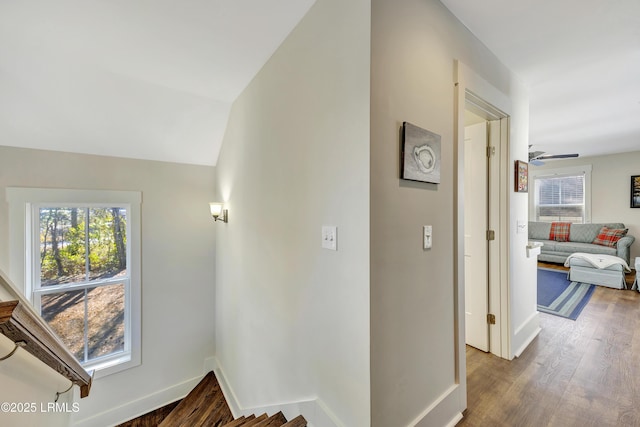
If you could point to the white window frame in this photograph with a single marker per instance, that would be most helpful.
(23, 204)
(557, 173)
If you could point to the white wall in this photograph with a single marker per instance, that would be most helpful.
(177, 270)
(292, 318)
(414, 294)
(610, 189)
(523, 281)
(29, 386)
(26, 381)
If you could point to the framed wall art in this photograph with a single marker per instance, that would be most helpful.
(635, 191)
(522, 177)
(421, 154)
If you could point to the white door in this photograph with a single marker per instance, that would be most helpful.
(475, 228)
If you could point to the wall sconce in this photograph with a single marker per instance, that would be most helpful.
(218, 213)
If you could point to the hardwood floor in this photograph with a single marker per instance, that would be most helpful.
(575, 373)
(153, 418)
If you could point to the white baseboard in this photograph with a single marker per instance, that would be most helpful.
(441, 410)
(138, 407)
(455, 420)
(313, 410)
(524, 346)
(525, 334)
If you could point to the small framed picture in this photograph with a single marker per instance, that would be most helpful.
(421, 153)
(635, 191)
(522, 177)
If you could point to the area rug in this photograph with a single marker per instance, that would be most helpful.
(561, 297)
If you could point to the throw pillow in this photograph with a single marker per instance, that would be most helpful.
(610, 236)
(560, 231)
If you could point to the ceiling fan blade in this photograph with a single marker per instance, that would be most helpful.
(535, 154)
(556, 156)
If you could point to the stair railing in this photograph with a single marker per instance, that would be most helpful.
(21, 324)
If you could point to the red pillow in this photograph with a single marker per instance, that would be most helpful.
(610, 236)
(560, 231)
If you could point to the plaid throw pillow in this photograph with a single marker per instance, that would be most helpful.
(610, 236)
(560, 231)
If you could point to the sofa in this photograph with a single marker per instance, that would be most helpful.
(581, 239)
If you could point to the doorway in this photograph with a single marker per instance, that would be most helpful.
(485, 148)
(476, 95)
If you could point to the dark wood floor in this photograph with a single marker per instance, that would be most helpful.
(575, 373)
(153, 418)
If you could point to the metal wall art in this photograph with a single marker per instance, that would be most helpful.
(421, 154)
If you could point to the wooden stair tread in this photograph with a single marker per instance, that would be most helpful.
(298, 421)
(276, 420)
(255, 421)
(242, 421)
(204, 406)
(239, 421)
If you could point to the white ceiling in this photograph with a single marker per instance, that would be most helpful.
(580, 60)
(155, 79)
(150, 79)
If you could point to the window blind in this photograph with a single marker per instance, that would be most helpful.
(560, 198)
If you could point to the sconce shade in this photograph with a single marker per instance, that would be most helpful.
(216, 209)
(217, 212)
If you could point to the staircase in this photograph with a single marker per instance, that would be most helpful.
(206, 406)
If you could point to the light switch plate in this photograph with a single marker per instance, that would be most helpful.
(427, 236)
(330, 237)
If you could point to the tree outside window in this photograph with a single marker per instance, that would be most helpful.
(81, 277)
(75, 254)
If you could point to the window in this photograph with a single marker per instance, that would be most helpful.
(80, 277)
(561, 195)
(81, 269)
(560, 199)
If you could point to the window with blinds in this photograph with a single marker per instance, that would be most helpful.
(560, 198)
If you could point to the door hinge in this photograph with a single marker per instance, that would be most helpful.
(491, 319)
(491, 151)
(491, 235)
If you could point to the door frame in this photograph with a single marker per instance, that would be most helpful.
(470, 87)
(499, 303)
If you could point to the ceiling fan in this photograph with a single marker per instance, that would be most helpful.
(537, 157)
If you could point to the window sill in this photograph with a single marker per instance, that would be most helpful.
(110, 366)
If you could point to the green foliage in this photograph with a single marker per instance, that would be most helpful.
(68, 252)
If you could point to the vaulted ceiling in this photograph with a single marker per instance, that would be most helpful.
(155, 79)
(151, 79)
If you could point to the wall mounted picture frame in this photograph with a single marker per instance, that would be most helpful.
(421, 154)
(635, 191)
(522, 177)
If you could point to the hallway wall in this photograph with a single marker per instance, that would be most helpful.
(415, 376)
(292, 318)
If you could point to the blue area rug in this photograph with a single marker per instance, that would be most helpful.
(559, 296)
